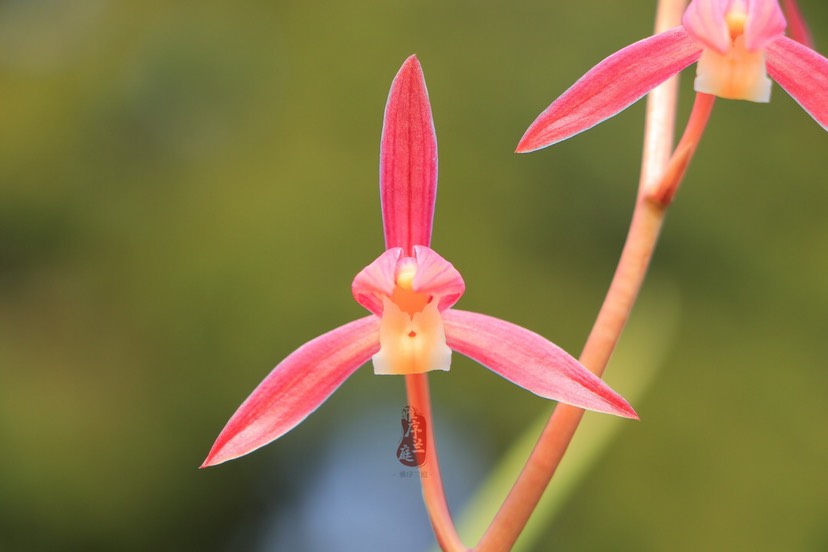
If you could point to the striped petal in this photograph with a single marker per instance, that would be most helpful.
(408, 161)
(377, 280)
(295, 388)
(765, 23)
(803, 73)
(530, 361)
(705, 21)
(612, 86)
(716, 23)
(436, 276)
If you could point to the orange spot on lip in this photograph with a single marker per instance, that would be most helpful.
(736, 20)
(409, 301)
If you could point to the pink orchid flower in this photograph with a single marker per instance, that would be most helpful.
(409, 291)
(738, 44)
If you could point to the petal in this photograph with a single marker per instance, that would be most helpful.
(803, 73)
(437, 276)
(408, 161)
(798, 28)
(295, 388)
(708, 21)
(376, 280)
(705, 21)
(765, 23)
(530, 361)
(611, 86)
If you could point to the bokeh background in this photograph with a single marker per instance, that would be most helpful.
(188, 188)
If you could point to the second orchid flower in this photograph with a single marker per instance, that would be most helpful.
(738, 44)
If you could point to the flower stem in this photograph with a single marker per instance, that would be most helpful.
(663, 190)
(430, 478)
(629, 276)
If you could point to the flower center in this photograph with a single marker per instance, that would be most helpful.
(404, 296)
(412, 339)
(736, 75)
(409, 295)
(736, 18)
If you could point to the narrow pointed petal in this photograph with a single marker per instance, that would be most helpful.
(798, 28)
(437, 276)
(530, 361)
(408, 161)
(612, 86)
(803, 73)
(705, 21)
(376, 280)
(295, 388)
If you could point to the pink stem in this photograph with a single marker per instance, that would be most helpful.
(430, 478)
(664, 189)
(629, 276)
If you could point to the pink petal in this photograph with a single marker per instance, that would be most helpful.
(408, 161)
(611, 86)
(530, 361)
(705, 21)
(295, 388)
(765, 23)
(377, 279)
(803, 73)
(437, 276)
(798, 28)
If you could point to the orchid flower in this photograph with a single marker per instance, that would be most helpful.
(409, 291)
(738, 45)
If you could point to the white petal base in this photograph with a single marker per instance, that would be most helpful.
(737, 75)
(411, 344)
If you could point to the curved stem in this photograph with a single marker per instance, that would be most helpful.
(664, 189)
(629, 276)
(431, 479)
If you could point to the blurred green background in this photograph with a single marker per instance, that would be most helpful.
(188, 188)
